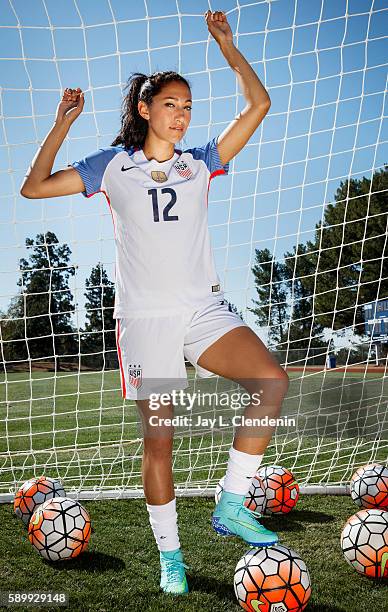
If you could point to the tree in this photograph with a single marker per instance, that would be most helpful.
(99, 332)
(325, 282)
(352, 266)
(299, 272)
(271, 308)
(39, 317)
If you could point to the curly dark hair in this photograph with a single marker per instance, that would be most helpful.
(141, 87)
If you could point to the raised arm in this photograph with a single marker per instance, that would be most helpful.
(39, 182)
(236, 135)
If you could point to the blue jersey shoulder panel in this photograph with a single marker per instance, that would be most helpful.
(209, 154)
(92, 167)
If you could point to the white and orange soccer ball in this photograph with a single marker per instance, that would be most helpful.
(272, 578)
(369, 486)
(280, 488)
(364, 542)
(33, 493)
(60, 529)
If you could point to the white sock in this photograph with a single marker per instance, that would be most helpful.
(164, 523)
(241, 469)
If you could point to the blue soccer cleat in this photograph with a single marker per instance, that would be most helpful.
(232, 518)
(173, 578)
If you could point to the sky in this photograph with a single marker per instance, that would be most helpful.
(323, 63)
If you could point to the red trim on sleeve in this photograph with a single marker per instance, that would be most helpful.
(213, 174)
(219, 171)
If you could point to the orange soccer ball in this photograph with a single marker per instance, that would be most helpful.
(33, 493)
(272, 578)
(60, 529)
(280, 488)
(364, 542)
(369, 486)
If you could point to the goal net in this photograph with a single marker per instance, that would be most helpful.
(298, 230)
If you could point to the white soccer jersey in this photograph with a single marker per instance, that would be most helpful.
(164, 262)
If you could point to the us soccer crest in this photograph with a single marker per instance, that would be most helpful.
(158, 176)
(135, 376)
(183, 169)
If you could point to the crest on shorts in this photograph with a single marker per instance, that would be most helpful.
(183, 169)
(159, 176)
(135, 376)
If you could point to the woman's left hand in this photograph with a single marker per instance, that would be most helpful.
(218, 26)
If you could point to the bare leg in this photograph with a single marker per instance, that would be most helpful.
(241, 356)
(157, 474)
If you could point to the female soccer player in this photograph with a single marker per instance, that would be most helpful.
(169, 304)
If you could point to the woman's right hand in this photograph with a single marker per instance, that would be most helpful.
(70, 107)
(39, 182)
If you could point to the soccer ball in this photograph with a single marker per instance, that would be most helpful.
(280, 488)
(272, 579)
(369, 486)
(33, 493)
(60, 529)
(254, 499)
(364, 542)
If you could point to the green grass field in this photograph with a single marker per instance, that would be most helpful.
(120, 568)
(78, 428)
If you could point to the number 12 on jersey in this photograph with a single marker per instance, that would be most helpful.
(155, 205)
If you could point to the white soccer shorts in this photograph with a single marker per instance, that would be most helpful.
(152, 350)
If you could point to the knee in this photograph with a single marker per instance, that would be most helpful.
(277, 373)
(271, 381)
(278, 380)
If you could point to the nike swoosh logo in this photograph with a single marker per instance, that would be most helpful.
(255, 603)
(292, 484)
(35, 519)
(124, 169)
(246, 524)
